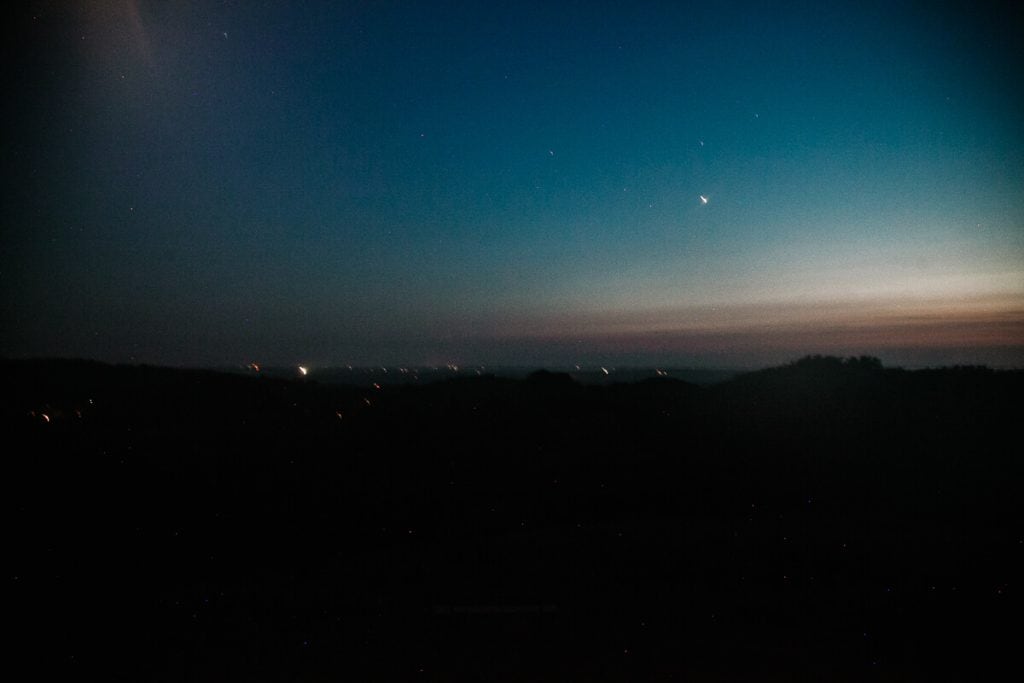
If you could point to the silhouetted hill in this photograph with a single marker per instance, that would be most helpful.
(826, 519)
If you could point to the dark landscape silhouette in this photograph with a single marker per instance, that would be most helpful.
(830, 519)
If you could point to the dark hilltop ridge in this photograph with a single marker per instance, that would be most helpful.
(830, 519)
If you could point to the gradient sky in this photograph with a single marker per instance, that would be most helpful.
(426, 182)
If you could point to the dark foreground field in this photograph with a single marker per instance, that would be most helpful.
(826, 521)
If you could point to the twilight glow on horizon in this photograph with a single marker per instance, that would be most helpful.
(677, 183)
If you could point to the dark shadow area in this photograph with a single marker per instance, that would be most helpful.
(826, 520)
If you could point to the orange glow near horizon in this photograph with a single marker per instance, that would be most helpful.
(849, 327)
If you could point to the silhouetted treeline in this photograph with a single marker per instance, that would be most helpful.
(828, 519)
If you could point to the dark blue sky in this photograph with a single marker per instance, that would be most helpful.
(367, 183)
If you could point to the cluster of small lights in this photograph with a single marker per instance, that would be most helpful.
(50, 414)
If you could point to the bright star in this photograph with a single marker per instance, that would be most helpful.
(703, 199)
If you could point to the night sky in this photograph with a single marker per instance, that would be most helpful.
(705, 184)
